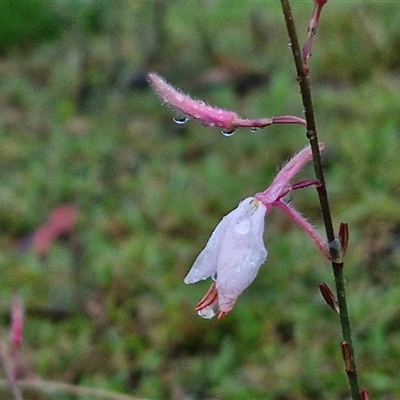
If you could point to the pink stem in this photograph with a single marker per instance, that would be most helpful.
(288, 119)
(305, 225)
(312, 30)
(252, 123)
(264, 122)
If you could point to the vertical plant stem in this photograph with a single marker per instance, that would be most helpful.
(334, 247)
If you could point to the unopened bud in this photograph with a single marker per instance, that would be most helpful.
(364, 394)
(344, 236)
(329, 297)
(347, 357)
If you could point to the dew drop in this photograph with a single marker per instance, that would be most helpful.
(253, 129)
(242, 225)
(289, 43)
(208, 312)
(181, 120)
(227, 132)
(214, 276)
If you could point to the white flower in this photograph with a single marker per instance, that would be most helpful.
(234, 253)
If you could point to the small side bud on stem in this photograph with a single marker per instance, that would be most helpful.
(348, 358)
(364, 394)
(344, 236)
(329, 297)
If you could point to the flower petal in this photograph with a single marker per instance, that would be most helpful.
(205, 264)
(242, 252)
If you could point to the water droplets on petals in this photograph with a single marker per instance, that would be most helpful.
(243, 225)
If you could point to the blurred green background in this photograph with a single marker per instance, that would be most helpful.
(106, 306)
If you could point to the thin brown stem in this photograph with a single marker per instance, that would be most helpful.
(334, 244)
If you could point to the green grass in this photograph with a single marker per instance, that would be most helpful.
(107, 307)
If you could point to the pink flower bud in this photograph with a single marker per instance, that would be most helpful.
(193, 108)
(233, 254)
(208, 115)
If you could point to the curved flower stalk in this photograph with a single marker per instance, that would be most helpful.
(208, 115)
(280, 187)
(235, 251)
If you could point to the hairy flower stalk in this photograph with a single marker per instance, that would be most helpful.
(208, 115)
(235, 251)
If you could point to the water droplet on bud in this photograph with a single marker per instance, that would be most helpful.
(228, 132)
(181, 120)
